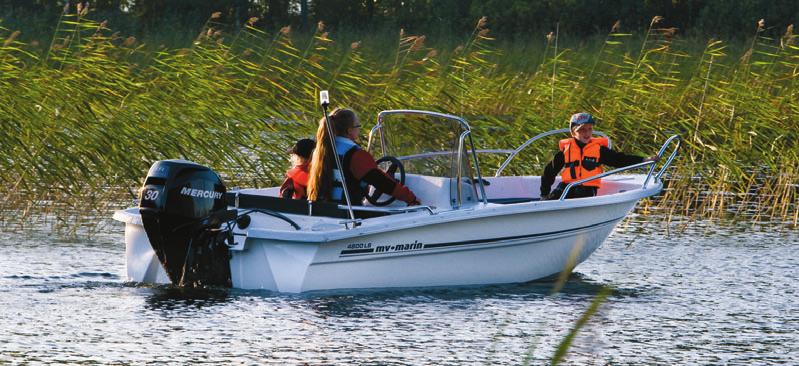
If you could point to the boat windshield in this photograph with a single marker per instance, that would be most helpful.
(427, 143)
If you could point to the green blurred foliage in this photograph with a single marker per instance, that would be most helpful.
(508, 18)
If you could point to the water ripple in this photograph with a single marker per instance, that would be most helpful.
(702, 294)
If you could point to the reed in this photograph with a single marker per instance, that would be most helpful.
(84, 119)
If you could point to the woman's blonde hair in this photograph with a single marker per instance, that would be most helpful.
(320, 181)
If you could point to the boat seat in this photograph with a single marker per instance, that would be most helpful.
(292, 206)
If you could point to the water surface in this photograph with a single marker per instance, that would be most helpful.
(706, 294)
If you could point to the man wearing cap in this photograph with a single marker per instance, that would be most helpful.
(297, 177)
(582, 156)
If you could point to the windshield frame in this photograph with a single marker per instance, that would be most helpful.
(466, 132)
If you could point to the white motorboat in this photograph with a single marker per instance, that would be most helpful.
(469, 230)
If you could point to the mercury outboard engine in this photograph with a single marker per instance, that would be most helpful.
(183, 210)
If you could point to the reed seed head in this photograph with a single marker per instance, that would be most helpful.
(216, 15)
(320, 26)
(616, 26)
(668, 33)
(550, 37)
(482, 22)
(11, 38)
(655, 20)
(285, 30)
(418, 43)
(252, 21)
(789, 38)
(129, 41)
(355, 45)
(430, 54)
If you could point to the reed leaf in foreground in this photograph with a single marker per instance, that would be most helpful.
(564, 345)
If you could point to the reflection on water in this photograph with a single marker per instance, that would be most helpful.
(169, 298)
(705, 294)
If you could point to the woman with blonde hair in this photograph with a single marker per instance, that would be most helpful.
(359, 167)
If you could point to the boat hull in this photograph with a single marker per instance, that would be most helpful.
(470, 248)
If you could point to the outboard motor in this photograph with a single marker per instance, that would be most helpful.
(183, 210)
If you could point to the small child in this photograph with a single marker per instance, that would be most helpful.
(294, 186)
(582, 156)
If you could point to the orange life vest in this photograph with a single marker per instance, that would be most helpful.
(581, 163)
(299, 178)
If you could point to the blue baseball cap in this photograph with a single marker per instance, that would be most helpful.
(581, 118)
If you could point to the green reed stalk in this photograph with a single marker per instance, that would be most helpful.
(97, 109)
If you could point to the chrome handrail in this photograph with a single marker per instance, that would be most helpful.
(390, 210)
(668, 161)
(605, 174)
(537, 137)
(449, 152)
(634, 166)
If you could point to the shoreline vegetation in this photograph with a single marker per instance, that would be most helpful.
(85, 114)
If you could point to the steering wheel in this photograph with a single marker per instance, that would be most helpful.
(392, 168)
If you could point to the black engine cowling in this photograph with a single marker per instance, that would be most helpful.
(183, 208)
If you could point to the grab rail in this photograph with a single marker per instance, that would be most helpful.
(634, 166)
(537, 137)
(605, 174)
(668, 161)
(390, 210)
(444, 153)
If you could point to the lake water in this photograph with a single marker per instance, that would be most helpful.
(684, 293)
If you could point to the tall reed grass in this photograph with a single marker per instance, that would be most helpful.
(85, 115)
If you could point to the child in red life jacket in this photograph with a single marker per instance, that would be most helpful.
(297, 177)
(580, 157)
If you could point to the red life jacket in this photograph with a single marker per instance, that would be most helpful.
(298, 176)
(581, 163)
